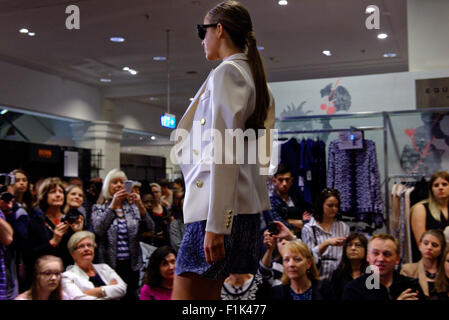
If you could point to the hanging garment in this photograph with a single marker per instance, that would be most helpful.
(290, 154)
(355, 174)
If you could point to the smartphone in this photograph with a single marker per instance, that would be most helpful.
(128, 184)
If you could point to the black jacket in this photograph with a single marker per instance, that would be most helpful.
(357, 289)
(282, 292)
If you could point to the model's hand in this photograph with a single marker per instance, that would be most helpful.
(214, 247)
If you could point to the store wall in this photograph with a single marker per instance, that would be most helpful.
(382, 92)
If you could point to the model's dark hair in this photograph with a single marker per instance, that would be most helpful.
(345, 264)
(324, 195)
(153, 276)
(236, 20)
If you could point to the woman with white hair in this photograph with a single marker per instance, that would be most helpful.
(85, 280)
(117, 224)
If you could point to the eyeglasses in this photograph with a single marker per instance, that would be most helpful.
(48, 274)
(202, 28)
(87, 245)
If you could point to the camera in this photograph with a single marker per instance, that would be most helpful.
(7, 179)
(71, 216)
(272, 228)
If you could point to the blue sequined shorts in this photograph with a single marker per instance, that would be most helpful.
(241, 249)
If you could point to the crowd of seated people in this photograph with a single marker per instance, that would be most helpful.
(64, 239)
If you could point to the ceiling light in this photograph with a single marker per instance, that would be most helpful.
(105, 80)
(260, 48)
(31, 34)
(4, 111)
(382, 35)
(153, 98)
(153, 138)
(125, 69)
(117, 39)
(283, 2)
(191, 99)
(390, 55)
(370, 9)
(159, 58)
(327, 53)
(133, 72)
(23, 30)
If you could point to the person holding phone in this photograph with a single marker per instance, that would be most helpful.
(117, 223)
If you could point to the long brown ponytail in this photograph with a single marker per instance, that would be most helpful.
(237, 22)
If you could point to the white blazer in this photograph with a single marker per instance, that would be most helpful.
(217, 192)
(75, 281)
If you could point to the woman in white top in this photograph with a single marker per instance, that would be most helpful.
(225, 191)
(85, 280)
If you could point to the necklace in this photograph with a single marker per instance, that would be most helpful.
(430, 275)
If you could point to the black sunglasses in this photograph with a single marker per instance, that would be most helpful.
(202, 29)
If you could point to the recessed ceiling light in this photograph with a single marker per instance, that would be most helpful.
(260, 48)
(125, 69)
(23, 30)
(117, 39)
(390, 55)
(159, 58)
(153, 138)
(4, 111)
(370, 9)
(191, 99)
(133, 72)
(327, 53)
(382, 35)
(105, 80)
(153, 98)
(31, 34)
(283, 2)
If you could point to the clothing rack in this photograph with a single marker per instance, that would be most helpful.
(331, 130)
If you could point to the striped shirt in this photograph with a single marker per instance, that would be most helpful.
(122, 240)
(313, 235)
(2, 267)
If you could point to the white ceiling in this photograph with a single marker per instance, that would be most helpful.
(293, 37)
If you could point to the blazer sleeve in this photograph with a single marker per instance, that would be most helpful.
(71, 288)
(231, 93)
(113, 291)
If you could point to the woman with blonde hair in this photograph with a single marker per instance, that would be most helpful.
(46, 282)
(431, 213)
(117, 224)
(300, 279)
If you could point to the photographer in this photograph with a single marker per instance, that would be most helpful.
(49, 230)
(73, 209)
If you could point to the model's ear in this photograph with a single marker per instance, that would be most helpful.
(220, 30)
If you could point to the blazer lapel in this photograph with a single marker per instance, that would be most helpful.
(186, 120)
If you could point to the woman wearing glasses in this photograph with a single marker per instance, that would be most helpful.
(85, 280)
(224, 196)
(324, 234)
(46, 282)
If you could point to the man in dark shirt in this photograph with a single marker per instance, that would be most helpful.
(384, 283)
(285, 203)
